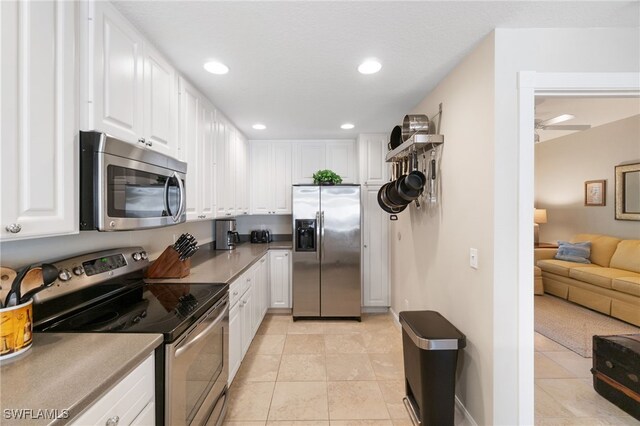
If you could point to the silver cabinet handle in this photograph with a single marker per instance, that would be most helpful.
(365, 246)
(14, 228)
(149, 143)
(141, 140)
(263, 260)
(286, 254)
(113, 421)
(235, 293)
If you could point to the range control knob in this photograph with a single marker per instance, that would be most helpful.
(144, 255)
(64, 275)
(77, 270)
(136, 256)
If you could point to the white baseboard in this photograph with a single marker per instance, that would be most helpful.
(468, 420)
(374, 309)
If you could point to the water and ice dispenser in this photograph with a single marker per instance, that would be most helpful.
(305, 235)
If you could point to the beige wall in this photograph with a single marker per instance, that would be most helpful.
(479, 208)
(430, 247)
(564, 164)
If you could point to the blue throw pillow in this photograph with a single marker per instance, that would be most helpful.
(574, 252)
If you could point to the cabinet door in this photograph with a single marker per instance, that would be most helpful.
(241, 180)
(373, 168)
(189, 146)
(160, 105)
(147, 417)
(261, 177)
(309, 158)
(246, 310)
(206, 177)
(116, 70)
(235, 340)
(280, 172)
(341, 158)
(39, 127)
(263, 278)
(222, 167)
(256, 291)
(375, 251)
(229, 192)
(280, 277)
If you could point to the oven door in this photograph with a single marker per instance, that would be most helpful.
(196, 371)
(137, 195)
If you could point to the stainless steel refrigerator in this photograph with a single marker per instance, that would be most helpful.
(326, 251)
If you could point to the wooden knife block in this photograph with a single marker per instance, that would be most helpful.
(169, 265)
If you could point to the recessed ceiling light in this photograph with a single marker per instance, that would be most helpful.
(370, 66)
(215, 67)
(347, 126)
(259, 126)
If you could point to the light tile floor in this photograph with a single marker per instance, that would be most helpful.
(564, 393)
(306, 373)
(345, 373)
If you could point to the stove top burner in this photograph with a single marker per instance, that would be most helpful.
(145, 308)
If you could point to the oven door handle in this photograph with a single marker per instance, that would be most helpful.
(193, 338)
(183, 199)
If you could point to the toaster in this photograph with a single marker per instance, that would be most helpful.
(261, 236)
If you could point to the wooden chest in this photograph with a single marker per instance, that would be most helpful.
(616, 370)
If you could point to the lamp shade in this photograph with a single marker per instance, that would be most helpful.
(540, 215)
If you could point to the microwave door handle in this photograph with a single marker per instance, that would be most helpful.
(192, 340)
(183, 200)
(166, 196)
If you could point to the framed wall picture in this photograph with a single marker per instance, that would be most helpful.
(595, 193)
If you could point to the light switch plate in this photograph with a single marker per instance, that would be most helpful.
(473, 258)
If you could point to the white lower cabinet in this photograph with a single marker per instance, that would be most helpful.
(247, 298)
(280, 278)
(375, 252)
(131, 401)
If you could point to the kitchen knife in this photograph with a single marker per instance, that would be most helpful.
(189, 253)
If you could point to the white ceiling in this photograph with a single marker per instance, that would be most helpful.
(293, 63)
(595, 111)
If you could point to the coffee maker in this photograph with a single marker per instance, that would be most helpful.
(226, 235)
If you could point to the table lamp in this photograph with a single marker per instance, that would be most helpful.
(539, 216)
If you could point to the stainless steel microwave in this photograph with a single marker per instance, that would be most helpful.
(125, 187)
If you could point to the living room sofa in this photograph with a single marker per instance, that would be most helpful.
(610, 284)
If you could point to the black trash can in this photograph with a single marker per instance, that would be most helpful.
(430, 346)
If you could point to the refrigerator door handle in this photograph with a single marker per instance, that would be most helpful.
(322, 234)
(318, 225)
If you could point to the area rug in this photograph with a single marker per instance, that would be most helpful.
(574, 326)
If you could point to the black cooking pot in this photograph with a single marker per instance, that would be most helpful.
(392, 195)
(383, 203)
(396, 138)
(404, 191)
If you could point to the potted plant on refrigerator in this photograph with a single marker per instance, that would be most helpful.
(326, 177)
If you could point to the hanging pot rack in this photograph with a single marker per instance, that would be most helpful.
(419, 143)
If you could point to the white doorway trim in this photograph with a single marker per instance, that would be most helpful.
(530, 84)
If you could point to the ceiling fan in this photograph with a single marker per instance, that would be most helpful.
(552, 124)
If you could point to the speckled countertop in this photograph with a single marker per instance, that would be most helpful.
(68, 372)
(223, 266)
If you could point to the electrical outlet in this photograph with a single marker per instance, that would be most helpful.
(473, 258)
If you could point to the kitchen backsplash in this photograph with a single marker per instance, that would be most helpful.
(277, 224)
(16, 254)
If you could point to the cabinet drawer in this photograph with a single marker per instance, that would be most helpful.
(126, 400)
(236, 289)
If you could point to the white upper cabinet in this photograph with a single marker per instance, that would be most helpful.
(160, 103)
(222, 177)
(373, 149)
(309, 158)
(336, 155)
(189, 146)
(39, 126)
(241, 174)
(115, 98)
(130, 89)
(207, 202)
(341, 158)
(270, 177)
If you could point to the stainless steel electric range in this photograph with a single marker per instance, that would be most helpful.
(106, 292)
